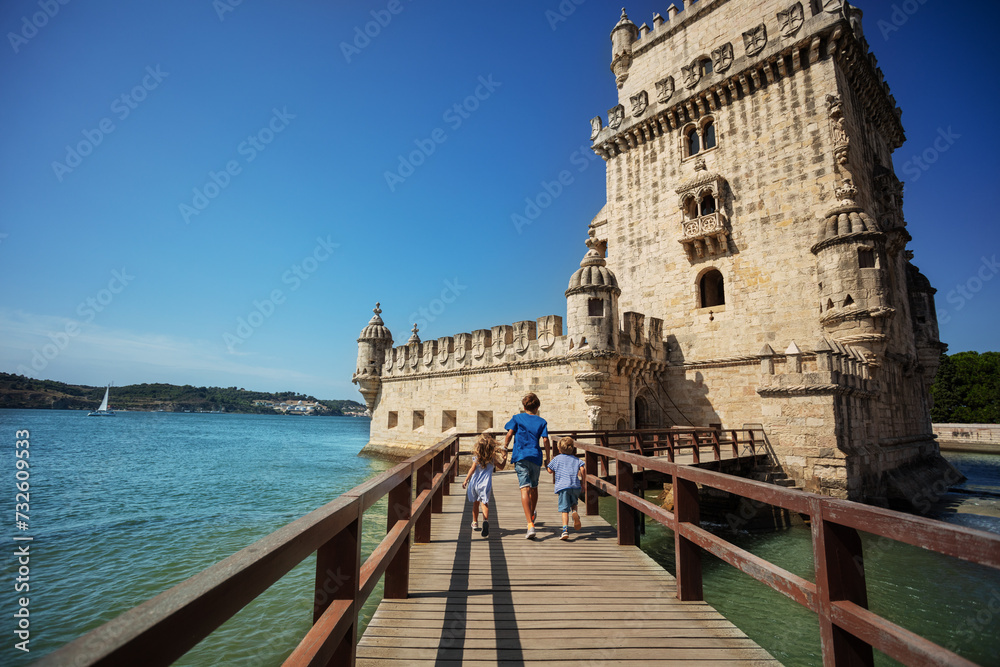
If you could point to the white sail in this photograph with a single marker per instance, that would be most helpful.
(104, 403)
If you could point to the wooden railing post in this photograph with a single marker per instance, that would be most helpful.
(456, 457)
(716, 446)
(753, 444)
(590, 468)
(422, 526)
(397, 574)
(736, 444)
(696, 447)
(338, 577)
(687, 553)
(625, 482)
(670, 447)
(840, 576)
(437, 501)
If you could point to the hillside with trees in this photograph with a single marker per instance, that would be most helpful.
(966, 389)
(18, 391)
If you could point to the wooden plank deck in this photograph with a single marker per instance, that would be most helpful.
(505, 600)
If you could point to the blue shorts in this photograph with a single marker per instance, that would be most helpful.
(567, 499)
(527, 473)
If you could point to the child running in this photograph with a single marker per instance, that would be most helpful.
(527, 429)
(486, 455)
(567, 471)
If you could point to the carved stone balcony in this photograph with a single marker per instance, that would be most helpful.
(705, 236)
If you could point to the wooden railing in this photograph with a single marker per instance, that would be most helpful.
(848, 629)
(669, 442)
(164, 628)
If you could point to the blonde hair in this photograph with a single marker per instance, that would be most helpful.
(567, 445)
(485, 449)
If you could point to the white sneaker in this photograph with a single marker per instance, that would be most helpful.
(530, 535)
(475, 525)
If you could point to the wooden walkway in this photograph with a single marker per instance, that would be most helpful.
(505, 600)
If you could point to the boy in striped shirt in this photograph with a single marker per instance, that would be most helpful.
(567, 471)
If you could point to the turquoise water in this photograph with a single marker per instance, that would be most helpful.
(123, 508)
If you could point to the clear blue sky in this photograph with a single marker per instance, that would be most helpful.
(267, 90)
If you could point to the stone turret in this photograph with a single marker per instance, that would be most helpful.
(622, 36)
(851, 260)
(592, 328)
(373, 342)
(592, 302)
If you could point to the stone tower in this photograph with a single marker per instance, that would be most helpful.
(373, 342)
(593, 328)
(749, 266)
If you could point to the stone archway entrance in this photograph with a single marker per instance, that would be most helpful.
(643, 415)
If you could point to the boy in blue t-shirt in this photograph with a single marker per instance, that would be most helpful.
(567, 471)
(527, 428)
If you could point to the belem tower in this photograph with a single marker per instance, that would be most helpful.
(750, 265)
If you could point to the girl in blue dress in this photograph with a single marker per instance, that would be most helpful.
(487, 456)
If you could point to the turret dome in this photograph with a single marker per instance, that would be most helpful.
(593, 272)
(376, 329)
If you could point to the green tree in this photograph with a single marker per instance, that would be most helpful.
(966, 389)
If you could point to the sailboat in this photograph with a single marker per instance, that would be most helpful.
(103, 410)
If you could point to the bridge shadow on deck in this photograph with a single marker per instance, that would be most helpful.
(506, 600)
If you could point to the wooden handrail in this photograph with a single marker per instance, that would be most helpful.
(161, 630)
(848, 630)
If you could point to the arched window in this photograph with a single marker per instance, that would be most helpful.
(708, 205)
(708, 135)
(690, 208)
(712, 291)
(693, 142)
(705, 66)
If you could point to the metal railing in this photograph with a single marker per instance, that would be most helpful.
(848, 629)
(164, 628)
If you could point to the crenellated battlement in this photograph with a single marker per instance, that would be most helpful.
(662, 86)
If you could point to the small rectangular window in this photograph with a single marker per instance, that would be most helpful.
(449, 418)
(393, 419)
(418, 419)
(866, 258)
(595, 307)
(484, 420)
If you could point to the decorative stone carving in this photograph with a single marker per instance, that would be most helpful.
(664, 89)
(691, 74)
(656, 332)
(401, 358)
(444, 349)
(621, 44)
(463, 343)
(503, 336)
(596, 125)
(639, 103)
(549, 328)
(841, 142)
(791, 20)
(414, 338)
(430, 349)
(615, 116)
(755, 39)
(722, 57)
(833, 6)
(633, 326)
(703, 235)
(847, 193)
(524, 333)
(480, 342)
(594, 416)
